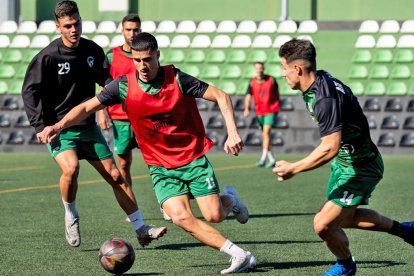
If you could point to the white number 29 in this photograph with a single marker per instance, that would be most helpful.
(64, 68)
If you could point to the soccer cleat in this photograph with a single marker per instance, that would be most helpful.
(241, 264)
(341, 270)
(72, 232)
(239, 210)
(270, 165)
(147, 233)
(165, 216)
(260, 164)
(408, 232)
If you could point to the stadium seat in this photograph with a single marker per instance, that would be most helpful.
(242, 88)
(262, 41)
(397, 89)
(33, 140)
(13, 56)
(410, 106)
(407, 140)
(358, 72)
(148, 26)
(365, 41)
(287, 27)
(41, 41)
(280, 40)
(239, 104)
(4, 41)
(29, 54)
(372, 121)
(267, 26)
(226, 26)
(20, 41)
(27, 27)
(201, 41)
(21, 71)
(221, 41)
(253, 139)
(375, 88)
(106, 27)
(256, 55)
(174, 56)
(305, 37)
(386, 41)
(407, 26)
(273, 57)
(276, 139)
(16, 138)
(195, 56)
(163, 40)
(246, 26)
(5, 120)
(3, 87)
(393, 105)
(389, 26)
(248, 72)
(102, 40)
(406, 41)
(281, 122)
(6, 71)
(379, 72)
(8, 27)
(254, 123)
(206, 26)
(356, 87)
(88, 27)
(369, 26)
(274, 71)
(390, 122)
(372, 105)
(308, 27)
(210, 72)
(180, 41)
(286, 104)
(46, 27)
(215, 121)
(236, 56)
(383, 56)
(216, 56)
(231, 72)
(191, 70)
(386, 140)
(186, 26)
(202, 104)
(22, 121)
(215, 137)
(241, 41)
(228, 86)
(409, 123)
(400, 72)
(166, 26)
(240, 121)
(15, 87)
(116, 41)
(404, 56)
(362, 56)
(285, 90)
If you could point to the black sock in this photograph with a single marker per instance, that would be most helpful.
(396, 229)
(346, 262)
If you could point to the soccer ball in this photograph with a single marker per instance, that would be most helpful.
(116, 255)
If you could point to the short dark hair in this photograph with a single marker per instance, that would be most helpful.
(299, 49)
(65, 8)
(132, 18)
(144, 42)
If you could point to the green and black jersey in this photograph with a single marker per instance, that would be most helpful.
(334, 108)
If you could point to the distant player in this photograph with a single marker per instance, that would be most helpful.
(160, 103)
(60, 77)
(265, 92)
(356, 164)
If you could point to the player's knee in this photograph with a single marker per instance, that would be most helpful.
(115, 176)
(321, 228)
(214, 217)
(183, 220)
(71, 170)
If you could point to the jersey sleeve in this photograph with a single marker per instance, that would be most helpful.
(328, 115)
(102, 73)
(110, 94)
(249, 88)
(189, 85)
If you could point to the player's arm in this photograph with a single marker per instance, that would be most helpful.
(247, 102)
(103, 121)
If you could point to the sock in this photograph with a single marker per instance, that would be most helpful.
(70, 209)
(136, 220)
(346, 262)
(264, 155)
(232, 249)
(271, 157)
(397, 230)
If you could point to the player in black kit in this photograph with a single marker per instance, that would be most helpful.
(60, 77)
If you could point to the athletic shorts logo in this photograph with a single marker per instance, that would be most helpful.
(56, 149)
(90, 61)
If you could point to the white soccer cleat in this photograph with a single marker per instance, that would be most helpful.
(241, 264)
(165, 215)
(147, 233)
(240, 210)
(72, 232)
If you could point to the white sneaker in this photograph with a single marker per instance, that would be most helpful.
(240, 210)
(164, 215)
(147, 233)
(72, 232)
(241, 264)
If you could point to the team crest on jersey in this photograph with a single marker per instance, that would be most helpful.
(90, 61)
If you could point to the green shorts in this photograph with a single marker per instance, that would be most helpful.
(196, 178)
(124, 138)
(266, 120)
(87, 141)
(353, 185)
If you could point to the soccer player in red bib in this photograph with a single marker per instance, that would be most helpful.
(265, 93)
(160, 103)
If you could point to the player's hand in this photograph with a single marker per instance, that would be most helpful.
(233, 144)
(103, 122)
(246, 113)
(49, 134)
(283, 170)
